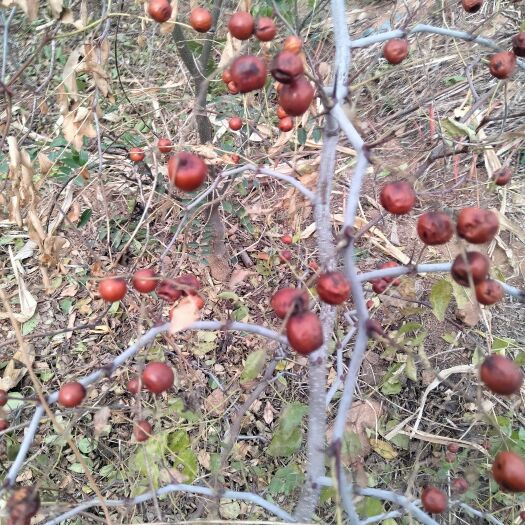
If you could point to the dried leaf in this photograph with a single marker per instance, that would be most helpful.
(29, 7)
(44, 163)
(69, 77)
(231, 49)
(56, 7)
(100, 420)
(268, 413)
(215, 403)
(183, 315)
(383, 448)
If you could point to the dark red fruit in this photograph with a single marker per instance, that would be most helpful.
(241, 25)
(235, 158)
(235, 123)
(168, 291)
(395, 50)
(136, 154)
(293, 43)
(201, 19)
(265, 29)
(145, 281)
(502, 176)
(501, 375)
(232, 88)
(471, 6)
(508, 470)
(286, 66)
(373, 327)
(164, 145)
(313, 266)
(394, 280)
(112, 289)
(158, 377)
(453, 447)
(287, 239)
(379, 285)
(459, 485)
(435, 227)
(489, 292)
(248, 72)
(142, 430)
(477, 225)
(285, 255)
(188, 283)
(477, 266)
(450, 457)
(522, 515)
(226, 76)
(398, 197)
(3, 398)
(187, 171)
(281, 113)
(134, 385)
(370, 304)
(296, 97)
(502, 64)
(159, 10)
(434, 501)
(286, 124)
(518, 44)
(304, 332)
(333, 287)
(71, 394)
(291, 300)
(4, 424)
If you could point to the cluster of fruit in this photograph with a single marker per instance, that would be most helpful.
(186, 171)
(501, 65)
(303, 327)
(475, 225)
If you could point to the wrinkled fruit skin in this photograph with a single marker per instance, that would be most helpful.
(287, 239)
(502, 64)
(71, 395)
(508, 470)
(434, 501)
(23, 504)
(333, 288)
(435, 227)
(472, 6)
(287, 298)
(187, 171)
(286, 66)
(159, 10)
(477, 225)
(296, 97)
(265, 29)
(235, 123)
(201, 20)
(144, 281)
(4, 424)
(164, 145)
(248, 73)
(460, 485)
(304, 332)
(142, 430)
(168, 291)
(453, 447)
(373, 327)
(477, 265)
(502, 176)
(501, 375)
(394, 280)
(281, 113)
(232, 88)
(286, 124)
(395, 50)
(489, 292)
(293, 43)
(241, 25)
(158, 377)
(398, 197)
(518, 44)
(379, 285)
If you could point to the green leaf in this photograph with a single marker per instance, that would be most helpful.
(185, 461)
(292, 416)
(462, 294)
(87, 445)
(241, 313)
(458, 129)
(108, 471)
(369, 507)
(229, 510)
(440, 297)
(301, 136)
(178, 441)
(286, 480)
(411, 368)
(16, 400)
(409, 327)
(450, 81)
(232, 296)
(253, 366)
(352, 445)
(84, 218)
(288, 435)
(30, 325)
